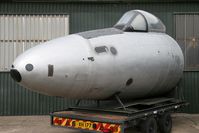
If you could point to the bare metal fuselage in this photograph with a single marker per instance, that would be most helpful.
(134, 65)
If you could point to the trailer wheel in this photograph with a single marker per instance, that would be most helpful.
(149, 125)
(165, 123)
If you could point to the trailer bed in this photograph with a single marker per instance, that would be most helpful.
(92, 115)
(113, 119)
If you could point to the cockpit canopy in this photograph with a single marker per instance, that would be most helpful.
(138, 20)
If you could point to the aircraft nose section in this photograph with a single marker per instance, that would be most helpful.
(15, 75)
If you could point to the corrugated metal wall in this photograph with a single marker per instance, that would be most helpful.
(16, 100)
(21, 32)
(190, 86)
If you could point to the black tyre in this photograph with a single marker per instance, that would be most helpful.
(149, 125)
(165, 123)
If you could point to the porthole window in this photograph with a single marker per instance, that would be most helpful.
(129, 82)
(101, 49)
(29, 67)
(113, 50)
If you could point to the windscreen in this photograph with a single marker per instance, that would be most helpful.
(138, 20)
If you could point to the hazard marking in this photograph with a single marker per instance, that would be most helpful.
(63, 122)
(73, 123)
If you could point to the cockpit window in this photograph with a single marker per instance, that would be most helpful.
(139, 23)
(126, 18)
(154, 23)
(101, 49)
(138, 20)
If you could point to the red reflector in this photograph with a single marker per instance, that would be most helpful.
(106, 131)
(114, 129)
(59, 122)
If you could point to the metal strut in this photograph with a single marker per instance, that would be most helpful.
(77, 103)
(98, 103)
(120, 102)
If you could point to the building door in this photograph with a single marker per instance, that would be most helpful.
(187, 36)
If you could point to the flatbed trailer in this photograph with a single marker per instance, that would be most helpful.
(150, 115)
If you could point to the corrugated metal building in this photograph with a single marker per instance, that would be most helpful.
(25, 23)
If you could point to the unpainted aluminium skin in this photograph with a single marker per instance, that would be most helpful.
(133, 59)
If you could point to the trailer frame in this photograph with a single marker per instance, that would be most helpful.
(131, 114)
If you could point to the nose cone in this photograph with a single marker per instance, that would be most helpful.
(15, 75)
(54, 68)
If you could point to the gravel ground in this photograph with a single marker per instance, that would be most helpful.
(182, 123)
